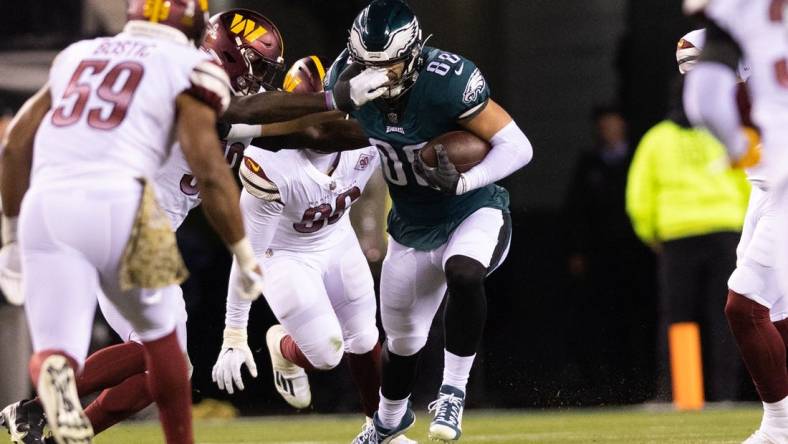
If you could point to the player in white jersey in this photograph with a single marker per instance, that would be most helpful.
(89, 220)
(756, 307)
(120, 369)
(318, 282)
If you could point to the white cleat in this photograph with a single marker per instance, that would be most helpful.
(768, 435)
(290, 380)
(759, 438)
(57, 391)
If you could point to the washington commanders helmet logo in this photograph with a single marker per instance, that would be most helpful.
(246, 28)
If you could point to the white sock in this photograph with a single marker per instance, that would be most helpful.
(776, 410)
(456, 369)
(390, 412)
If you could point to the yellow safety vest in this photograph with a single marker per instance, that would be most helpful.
(681, 184)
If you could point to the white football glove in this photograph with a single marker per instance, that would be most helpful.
(11, 263)
(234, 354)
(356, 86)
(368, 85)
(250, 276)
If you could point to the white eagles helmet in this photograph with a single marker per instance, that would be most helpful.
(384, 33)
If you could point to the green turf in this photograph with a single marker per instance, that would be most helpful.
(504, 427)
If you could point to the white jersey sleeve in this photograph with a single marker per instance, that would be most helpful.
(313, 203)
(177, 189)
(758, 26)
(113, 106)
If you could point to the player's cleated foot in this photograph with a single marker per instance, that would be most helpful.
(290, 380)
(401, 439)
(446, 424)
(57, 391)
(768, 435)
(375, 433)
(24, 421)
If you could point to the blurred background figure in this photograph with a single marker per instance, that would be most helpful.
(612, 272)
(687, 204)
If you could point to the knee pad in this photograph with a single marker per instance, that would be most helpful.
(406, 346)
(362, 341)
(464, 272)
(328, 356)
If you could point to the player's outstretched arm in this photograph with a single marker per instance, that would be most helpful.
(333, 136)
(17, 150)
(354, 88)
(241, 130)
(274, 106)
(511, 149)
(197, 136)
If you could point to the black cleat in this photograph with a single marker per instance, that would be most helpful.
(25, 422)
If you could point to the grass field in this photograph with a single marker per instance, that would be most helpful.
(505, 427)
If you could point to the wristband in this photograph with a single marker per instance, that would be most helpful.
(234, 338)
(9, 225)
(242, 250)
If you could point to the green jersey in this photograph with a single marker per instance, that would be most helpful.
(448, 88)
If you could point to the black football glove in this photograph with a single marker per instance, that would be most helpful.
(444, 177)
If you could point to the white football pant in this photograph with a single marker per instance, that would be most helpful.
(72, 239)
(413, 283)
(325, 300)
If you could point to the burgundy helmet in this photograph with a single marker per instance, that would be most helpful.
(305, 76)
(187, 16)
(248, 46)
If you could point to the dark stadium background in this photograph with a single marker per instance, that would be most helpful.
(548, 63)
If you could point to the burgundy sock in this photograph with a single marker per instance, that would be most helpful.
(168, 382)
(760, 344)
(111, 366)
(366, 374)
(292, 353)
(118, 403)
(34, 365)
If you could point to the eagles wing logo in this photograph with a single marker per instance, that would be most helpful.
(475, 86)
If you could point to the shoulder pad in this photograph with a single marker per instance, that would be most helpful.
(257, 183)
(210, 84)
(460, 87)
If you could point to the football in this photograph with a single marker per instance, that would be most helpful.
(465, 149)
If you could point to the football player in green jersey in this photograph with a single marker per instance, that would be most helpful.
(447, 230)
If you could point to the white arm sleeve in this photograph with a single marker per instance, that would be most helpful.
(260, 218)
(243, 131)
(511, 150)
(710, 101)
